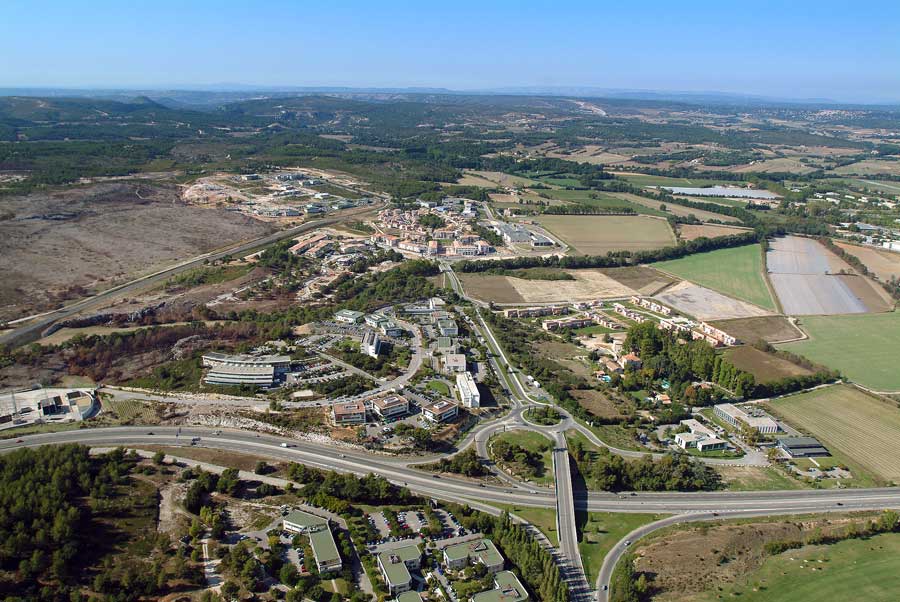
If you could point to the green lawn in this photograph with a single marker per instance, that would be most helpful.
(737, 272)
(439, 387)
(542, 518)
(863, 347)
(856, 569)
(599, 531)
(533, 442)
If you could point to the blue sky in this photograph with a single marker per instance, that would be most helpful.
(799, 48)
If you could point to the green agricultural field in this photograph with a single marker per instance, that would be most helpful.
(737, 272)
(863, 347)
(858, 429)
(601, 201)
(857, 569)
(598, 532)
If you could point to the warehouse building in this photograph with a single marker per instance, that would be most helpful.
(803, 447)
(735, 416)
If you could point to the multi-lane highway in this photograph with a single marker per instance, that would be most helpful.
(402, 471)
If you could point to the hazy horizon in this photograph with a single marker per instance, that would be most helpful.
(803, 51)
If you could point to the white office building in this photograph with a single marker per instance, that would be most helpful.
(468, 390)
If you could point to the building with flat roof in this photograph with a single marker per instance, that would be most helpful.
(321, 540)
(349, 412)
(440, 411)
(348, 316)
(409, 596)
(39, 404)
(395, 566)
(507, 588)
(453, 363)
(468, 390)
(260, 376)
(458, 556)
(371, 344)
(281, 363)
(447, 327)
(446, 345)
(803, 447)
(390, 406)
(736, 416)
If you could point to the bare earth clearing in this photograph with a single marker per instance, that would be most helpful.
(884, 264)
(765, 367)
(707, 304)
(771, 329)
(97, 236)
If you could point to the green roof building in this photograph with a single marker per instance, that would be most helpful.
(395, 566)
(484, 551)
(328, 559)
(507, 588)
(409, 597)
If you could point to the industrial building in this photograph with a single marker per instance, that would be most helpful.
(803, 447)
(736, 416)
(40, 404)
(321, 540)
(468, 390)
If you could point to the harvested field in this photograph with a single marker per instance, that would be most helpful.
(493, 179)
(695, 231)
(806, 277)
(596, 403)
(863, 347)
(869, 167)
(737, 272)
(765, 367)
(598, 235)
(771, 329)
(588, 285)
(706, 304)
(674, 209)
(884, 264)
(853, 424)
(65, 245)
(644, 280)
(490, 287)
